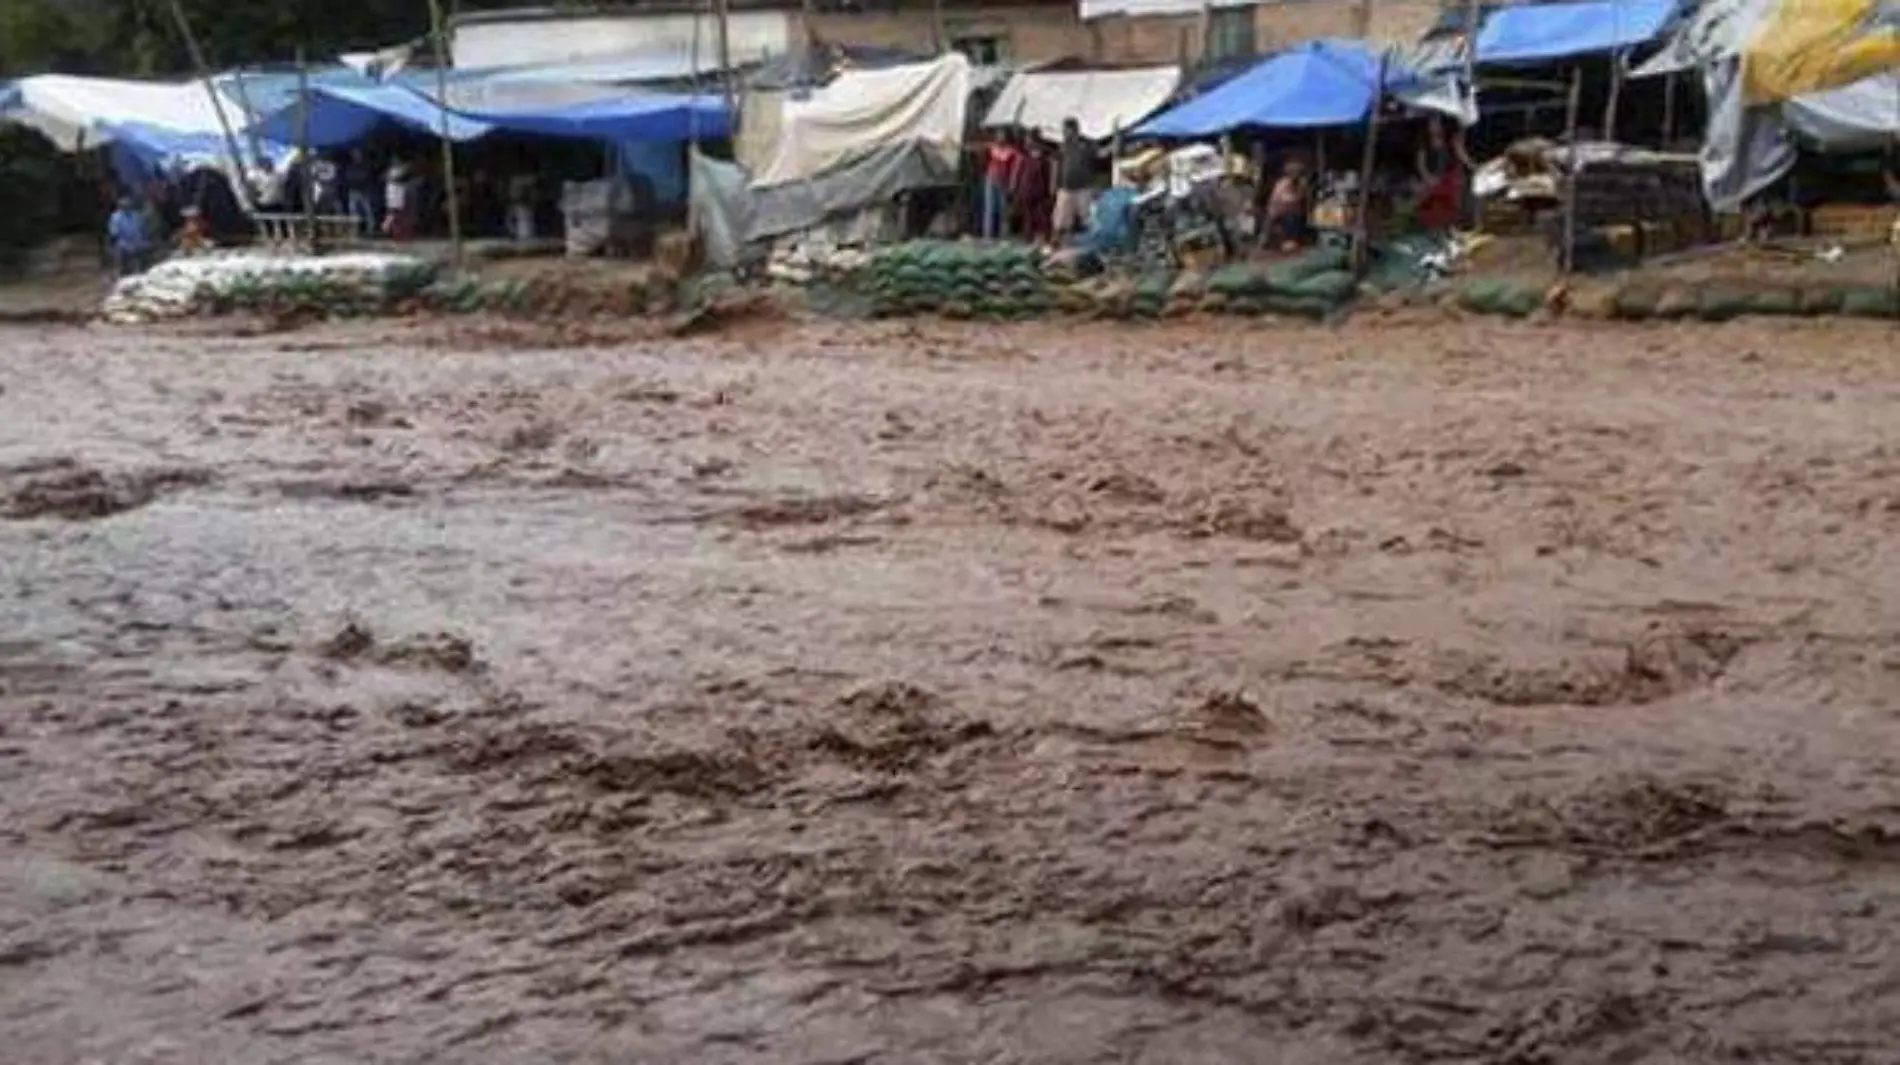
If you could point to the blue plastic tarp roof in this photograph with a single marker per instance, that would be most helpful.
(634, 117)
(1532, 33)
(1319, 83)
(342, 115)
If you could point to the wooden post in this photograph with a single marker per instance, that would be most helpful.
(1361, 223)
(1471, 45)
(1362, 20)
(1616, 94)
(448, 146)
(1569, 250)
(724, 9)
(1669, 109)
(303, 154)
(240, 178)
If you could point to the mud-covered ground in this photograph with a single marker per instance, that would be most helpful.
(1419, 691)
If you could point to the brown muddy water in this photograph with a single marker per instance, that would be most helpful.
(1414, 692)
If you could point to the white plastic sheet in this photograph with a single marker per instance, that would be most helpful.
(865, 110)
(1101, 101)
(75, 112)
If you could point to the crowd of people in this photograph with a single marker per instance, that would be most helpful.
(394, 197)
(1031, 189)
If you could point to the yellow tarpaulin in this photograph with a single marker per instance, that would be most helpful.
(1801, 47)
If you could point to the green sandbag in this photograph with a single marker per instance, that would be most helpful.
(1492, 295)
(1722, 303)
(1237, 279)
(1775, 302)
(1300, 306)
(1333, 287)
(1821, 299)
(1289, 274)
(1677, 301)
(1870, 301)
(1637, 301)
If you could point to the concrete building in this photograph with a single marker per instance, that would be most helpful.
(668, 38)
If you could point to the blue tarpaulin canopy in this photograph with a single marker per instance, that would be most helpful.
(633, 117)
(341, 115)
(1533, 33)
(1319, 83)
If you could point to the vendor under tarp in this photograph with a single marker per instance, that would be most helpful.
(1317, 84)
(1540, 33)
(1101, 101)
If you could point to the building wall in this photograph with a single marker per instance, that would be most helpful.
(532, 40)
(1035, 33)
(1020, 33)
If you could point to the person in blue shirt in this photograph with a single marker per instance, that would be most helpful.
(126, 233)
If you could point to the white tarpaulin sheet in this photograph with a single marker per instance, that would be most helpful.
(75, 112)
(1863, 116)
(866, 110)
(1100, 100)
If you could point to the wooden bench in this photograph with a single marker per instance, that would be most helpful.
(294, 231)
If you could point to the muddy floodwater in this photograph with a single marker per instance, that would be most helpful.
(1413, 691)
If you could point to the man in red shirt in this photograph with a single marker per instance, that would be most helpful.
(999, 170)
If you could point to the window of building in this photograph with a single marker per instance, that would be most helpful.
(1230, 33)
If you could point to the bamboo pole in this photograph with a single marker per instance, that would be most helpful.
(1361, 224)
(1569, 250)
(448, 146)
(240, 178)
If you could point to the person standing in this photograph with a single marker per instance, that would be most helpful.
(1075, 182)
(1442, 166)
(1031, 190)
(399, 202)
(521, 206)
(128, 235)
(359, 192)
(999, 168)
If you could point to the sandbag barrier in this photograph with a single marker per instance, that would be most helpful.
(1654, 300)
(1011, 282)
(377, 286)
(337, 286)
